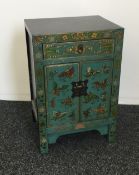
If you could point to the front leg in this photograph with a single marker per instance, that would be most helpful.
(42, 133)
(112, 132)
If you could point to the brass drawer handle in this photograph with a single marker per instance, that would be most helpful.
(80, 48)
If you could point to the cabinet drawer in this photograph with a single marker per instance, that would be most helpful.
(81, 48)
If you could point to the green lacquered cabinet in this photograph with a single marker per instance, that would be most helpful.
(74, 70)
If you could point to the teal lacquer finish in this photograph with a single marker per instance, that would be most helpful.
(74, 72)
(61, 107)
(95, 105)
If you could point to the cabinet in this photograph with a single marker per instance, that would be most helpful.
(74, 70)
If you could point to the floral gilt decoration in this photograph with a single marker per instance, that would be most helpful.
(77, 36)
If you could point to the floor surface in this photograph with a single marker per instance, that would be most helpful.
(79, 154)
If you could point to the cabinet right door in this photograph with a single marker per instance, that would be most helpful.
(96, 104)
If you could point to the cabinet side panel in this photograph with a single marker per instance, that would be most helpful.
(118, 35)
(31, 71)
(30, 66)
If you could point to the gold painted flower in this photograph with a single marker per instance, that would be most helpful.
(37, 39)
(43, 140)
(40, 92)
(71, 49)
(94, 35)
(41, 109)
(80, 35)
(65, 37)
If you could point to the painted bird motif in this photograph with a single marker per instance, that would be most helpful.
(105, 69)
(67, 73)
(100, 110)
(87, 112)
(53, 103)
(67, 101)
(101, 84)
(57, 89)
(91, 72)
(103, 96)
(58, 115)
(90, 97)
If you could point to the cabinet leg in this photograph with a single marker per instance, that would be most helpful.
(112, 133)
(43, 146)
(42, 133)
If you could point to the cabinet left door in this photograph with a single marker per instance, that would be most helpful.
(62, 109)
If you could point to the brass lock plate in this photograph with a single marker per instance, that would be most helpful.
(79, 88)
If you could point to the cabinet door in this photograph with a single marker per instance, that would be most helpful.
(61, 107)
(96, 104)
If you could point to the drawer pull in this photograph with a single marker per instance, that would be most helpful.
(80, 48)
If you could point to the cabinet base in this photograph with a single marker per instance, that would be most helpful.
(53, 137)
(109, 129)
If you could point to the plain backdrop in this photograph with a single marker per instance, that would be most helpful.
(14, 81)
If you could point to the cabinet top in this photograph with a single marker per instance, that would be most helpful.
(45, 26)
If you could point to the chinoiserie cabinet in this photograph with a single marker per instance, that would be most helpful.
(74, 70)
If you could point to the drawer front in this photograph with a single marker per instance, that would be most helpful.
(96, 104)
(81, 48)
